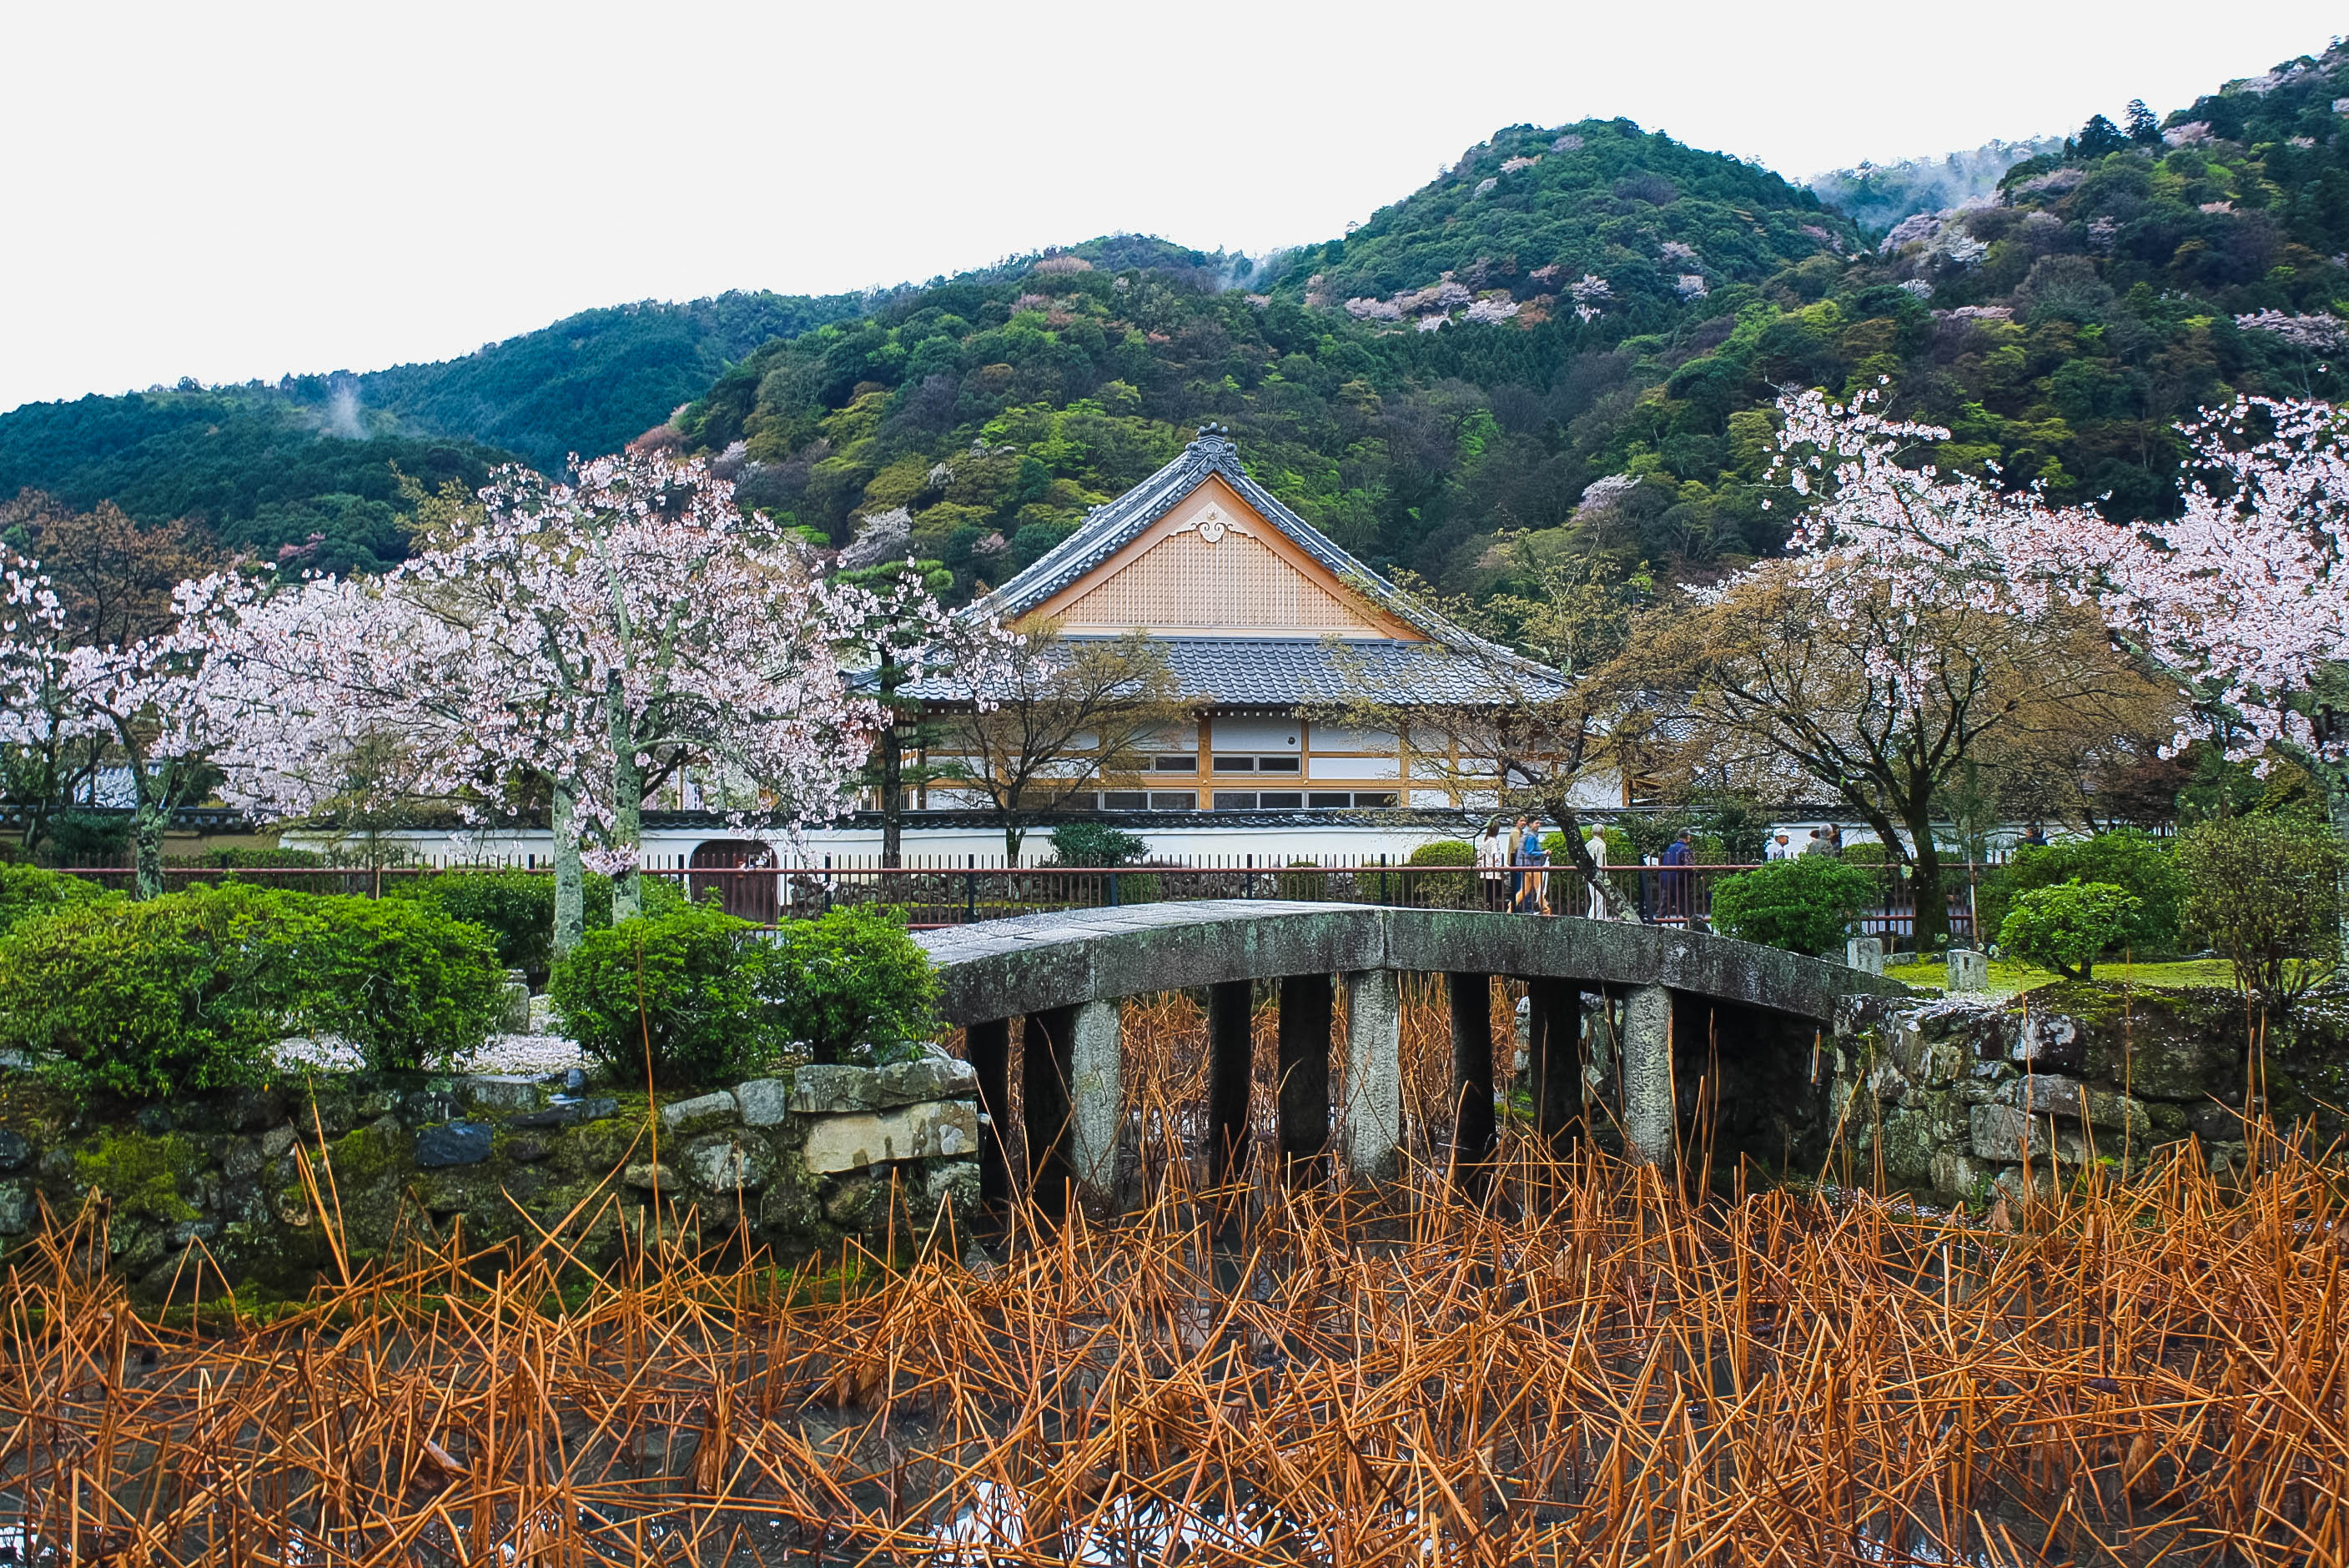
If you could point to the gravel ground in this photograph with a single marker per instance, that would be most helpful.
(534, 1054)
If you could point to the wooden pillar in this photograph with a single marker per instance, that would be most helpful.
(1472, 1076)
(1556, 1057)
(1231, 1070)
(1044, 1063)
(1305, 1017)
(988, 1045)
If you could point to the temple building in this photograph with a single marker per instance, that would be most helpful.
(1265, 622)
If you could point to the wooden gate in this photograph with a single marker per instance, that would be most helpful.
(740, 890)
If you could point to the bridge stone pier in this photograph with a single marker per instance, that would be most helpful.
(1655, 993)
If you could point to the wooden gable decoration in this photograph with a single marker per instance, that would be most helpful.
(1213, 566)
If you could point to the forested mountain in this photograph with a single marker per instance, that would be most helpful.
(1577, 333)
(248, 465)
(305, 465)
(1462, 362)
(1572, 335)
(586, 383)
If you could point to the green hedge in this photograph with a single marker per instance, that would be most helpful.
(1805, 905)
(681, 987)
(194, 989)
(517, 908)
(27, 891)
(407, 983)
(711, 997)
(853, 979)
(2127, 859)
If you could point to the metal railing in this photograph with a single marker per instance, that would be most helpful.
(940, 895)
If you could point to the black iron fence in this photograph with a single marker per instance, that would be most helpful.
(940, 895)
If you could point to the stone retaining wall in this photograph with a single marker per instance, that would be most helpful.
(794, 1164)
(1954, 1093)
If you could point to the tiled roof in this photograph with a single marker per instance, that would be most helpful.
(1108, 528)
(1282, 672)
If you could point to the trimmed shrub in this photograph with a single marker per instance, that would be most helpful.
(28, 890)
(1095, 845)
(2127, 859)
(1804, 905)
(850, 982)
(251, 859)
(1442, 888)
(88, 839)
(2068, 926)
(517, 908)
(194, 989)
(2265, 892)
(185, 992)
(402, 981)
(682, 987)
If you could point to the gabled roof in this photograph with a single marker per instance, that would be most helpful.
(1110, 528)
(1452, 666)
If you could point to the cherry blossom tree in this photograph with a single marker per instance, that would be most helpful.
(593, 632)
(2244, 597)
(894, 632)
(1912, 627)
(133, 698)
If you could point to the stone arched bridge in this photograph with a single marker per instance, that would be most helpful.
(1064, 975)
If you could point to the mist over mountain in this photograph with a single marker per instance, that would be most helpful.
(1875, 196)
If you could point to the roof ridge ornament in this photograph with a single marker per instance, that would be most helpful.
(1214, 442)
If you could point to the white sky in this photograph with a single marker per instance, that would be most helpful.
(240, 190)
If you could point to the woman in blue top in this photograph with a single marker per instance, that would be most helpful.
(1533, 861)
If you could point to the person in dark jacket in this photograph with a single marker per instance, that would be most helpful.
(1678, 855)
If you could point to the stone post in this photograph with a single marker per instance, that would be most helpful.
(1969, 971)
(1231, 1070)
(1372, 1124)
(1096, 1105)
(1305, 1009)
(1865, 953)
(1599, 1034)
(1647, 1075)
(988, 1046)
(1472, 1075)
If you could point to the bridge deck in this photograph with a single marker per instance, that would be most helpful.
(1000, 969)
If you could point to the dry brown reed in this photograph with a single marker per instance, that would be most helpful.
(1591, 1366)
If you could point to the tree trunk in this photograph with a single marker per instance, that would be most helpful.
(892, 766)
(147, 840)
(627, 804)
(1617, 903)
(1932, 903)
(570, 883)
(2335, 779)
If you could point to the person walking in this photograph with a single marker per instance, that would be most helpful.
(1492, 865)
(1513, 847)
(1678, 854)
(1533, 863)
(1596, 845)
(1779, 849)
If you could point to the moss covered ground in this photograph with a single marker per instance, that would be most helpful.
(2012, 977)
